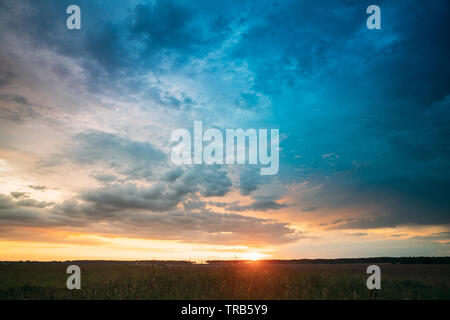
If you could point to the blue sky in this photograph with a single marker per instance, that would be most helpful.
(86, 117)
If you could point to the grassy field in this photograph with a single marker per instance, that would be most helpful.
(241, 281)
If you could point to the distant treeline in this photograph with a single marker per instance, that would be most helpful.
(392, 260)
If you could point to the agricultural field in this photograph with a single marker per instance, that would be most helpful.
(250, 280)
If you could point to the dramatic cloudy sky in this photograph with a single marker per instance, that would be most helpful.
(86, 118)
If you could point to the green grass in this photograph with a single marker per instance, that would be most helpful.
(245, 281)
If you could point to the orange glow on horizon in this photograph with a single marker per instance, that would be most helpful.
(254, 256)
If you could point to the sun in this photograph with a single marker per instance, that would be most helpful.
(253, 256)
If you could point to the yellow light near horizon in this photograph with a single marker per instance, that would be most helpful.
(59, 245)
(254, 256)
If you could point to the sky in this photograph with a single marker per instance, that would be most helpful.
(86, 118)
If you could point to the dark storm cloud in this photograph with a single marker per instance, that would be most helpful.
(22, 216)
(20, 199)
(249, 181)
(102, 44)
(104, 177)
(129, 196)
(194, 204)
(6, 202)
(164, 98)
(128, 160)
(15, 98)
(179, 29)
(258, 205)
(38, 187)
(208, 181)
(164, 24)
(16, 108)
(134, 159)
(33, 203)
(127, 215)
(17, 194)
(173, 174)
(359, 234)
(210, 227)
(6, 73)
(211, 182)
(131, 40)
(98, 48)
(310, 209)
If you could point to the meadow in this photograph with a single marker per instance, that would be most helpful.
(252, 280)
